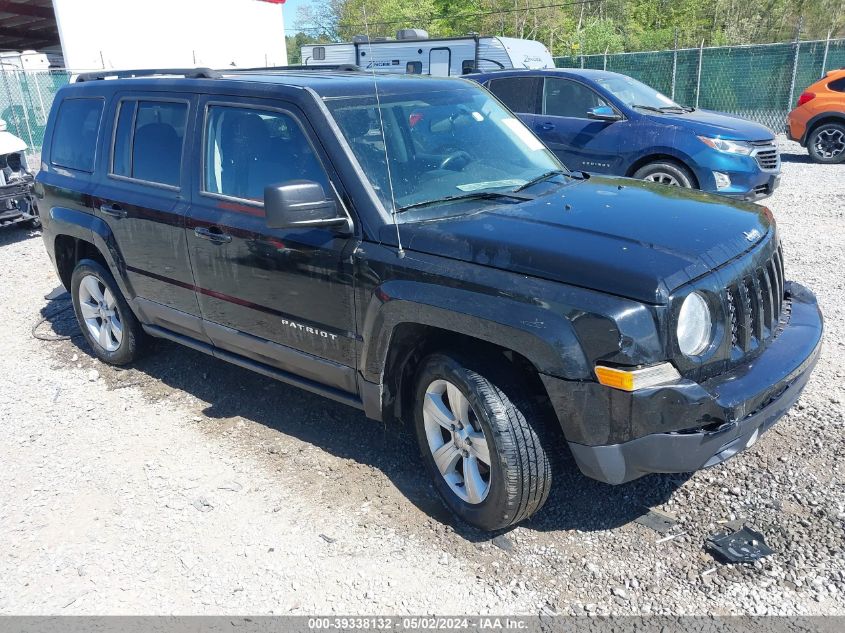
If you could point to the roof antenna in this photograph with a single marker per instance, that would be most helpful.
(401, 252)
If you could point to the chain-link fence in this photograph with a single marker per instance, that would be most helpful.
(760, 82)
(25, 100)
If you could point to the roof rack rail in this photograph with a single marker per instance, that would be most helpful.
(188, 73)
(341, 67)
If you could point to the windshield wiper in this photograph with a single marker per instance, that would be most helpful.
(476, 195)
(541, 178)
(661, 110)
(646, 107)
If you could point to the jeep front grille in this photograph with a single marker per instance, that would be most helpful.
(767, 155)
(754, 304)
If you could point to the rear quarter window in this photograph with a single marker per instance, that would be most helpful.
(837, 85)
(75, 135)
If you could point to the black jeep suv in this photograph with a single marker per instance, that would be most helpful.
(409, 247)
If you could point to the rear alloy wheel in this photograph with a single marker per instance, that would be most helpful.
(104, 317)
(827, 143)
(99, 311)
(479, 446)
(666, 173)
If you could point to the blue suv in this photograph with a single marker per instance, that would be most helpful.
(604, 122)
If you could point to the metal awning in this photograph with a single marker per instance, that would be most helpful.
(27, 25)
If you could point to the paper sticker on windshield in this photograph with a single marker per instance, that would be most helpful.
(492, 184)
(523, 133)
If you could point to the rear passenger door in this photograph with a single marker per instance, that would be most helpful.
(283, 297)
(144, 200)
(520, 94)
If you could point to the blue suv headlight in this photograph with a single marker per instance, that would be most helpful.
(729, 147)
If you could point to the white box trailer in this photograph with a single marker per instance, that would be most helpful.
(415, 53)
(132, 34)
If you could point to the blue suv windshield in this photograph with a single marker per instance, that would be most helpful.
(635, 94)
(441, 147)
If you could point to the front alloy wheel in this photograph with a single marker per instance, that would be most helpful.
(666, 172)
(456, 441)
(663, 178)
(480, 439)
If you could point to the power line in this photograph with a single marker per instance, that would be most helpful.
(446, 16)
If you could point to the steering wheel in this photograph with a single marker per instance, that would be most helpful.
(451, 160)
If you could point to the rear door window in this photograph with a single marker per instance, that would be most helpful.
(148, 141)
(75, 135)
(122, 151)
(247, 149)
(518, 93)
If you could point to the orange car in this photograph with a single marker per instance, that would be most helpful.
(818, 121)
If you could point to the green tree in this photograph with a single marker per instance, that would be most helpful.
(590, 27)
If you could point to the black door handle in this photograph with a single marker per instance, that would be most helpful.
(212, 234)
(114, 210)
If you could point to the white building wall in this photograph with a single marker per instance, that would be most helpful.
(125, 34)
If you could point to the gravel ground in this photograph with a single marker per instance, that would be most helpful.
(186, 485)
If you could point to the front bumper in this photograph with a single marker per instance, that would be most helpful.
(705, 423)
(749, 181)
(755, 190)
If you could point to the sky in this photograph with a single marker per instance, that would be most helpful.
(290, 11)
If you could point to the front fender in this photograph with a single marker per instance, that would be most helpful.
(543, 337)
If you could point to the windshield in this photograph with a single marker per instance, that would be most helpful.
(456, 144)
(635, 93)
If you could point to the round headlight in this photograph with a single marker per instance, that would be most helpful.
(694, 325)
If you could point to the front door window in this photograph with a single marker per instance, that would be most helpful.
(562, 97)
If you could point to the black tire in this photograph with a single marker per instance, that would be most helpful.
(824, 140)
(35, 222)
(520, 472)
(133, 337)
(670, 169)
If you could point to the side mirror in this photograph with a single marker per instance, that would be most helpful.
(301, 204)
(603, 113)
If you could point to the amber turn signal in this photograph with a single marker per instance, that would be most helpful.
(633, 379)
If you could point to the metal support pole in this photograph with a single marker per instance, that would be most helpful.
(826, 49)
(581, 49)
(698, 80)
(797, 47)
(674, 64)
(605, 58)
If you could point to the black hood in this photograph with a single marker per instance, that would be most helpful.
(626, 237)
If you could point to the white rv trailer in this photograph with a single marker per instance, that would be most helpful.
(412, 52)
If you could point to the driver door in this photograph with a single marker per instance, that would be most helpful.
(579, 142)
(282, 297)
